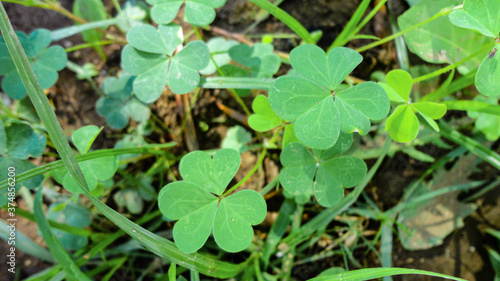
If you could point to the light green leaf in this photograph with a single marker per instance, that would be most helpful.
(219, 48)
(403, 124)
(440, 41)
(234, 219)
(84, 137)
(486, 13)
(489, 124)
(463, 19)
(264, 118)
(212, 174)
(183, 76)
(488, 75)
(323, 172)
(237, 138)
(197, 12)
(431, 109)
(259, 59)
(163, 40)
(289, 135)
(401, 82)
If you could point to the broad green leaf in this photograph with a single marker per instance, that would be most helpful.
(309, 97)
(44, 61)
(198, 204)
(219, 48)
(463, 19)
(149, 56)
(84, 137)
(197, 12)
(401, 82)
(322, 172)
(403, 124)
(440, 41)
(120, 104)
(22, 141)
(264, 118)
(259, 59)
(486, 13)
(73, 215)
(212, 174)
(488, 75)
(431, 109)
(235, 216)
(489, 124)
(237, 138)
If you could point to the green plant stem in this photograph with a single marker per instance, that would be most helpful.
(287, 265)
(473, 146)
(402, 32)
(88, 45)
(258, 272)
(454, 65)
(326, 216)
(257, 165)
(236, 83)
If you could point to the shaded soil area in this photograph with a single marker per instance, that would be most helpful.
(463, 253)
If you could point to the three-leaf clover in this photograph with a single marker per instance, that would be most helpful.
(483, 17)
(19, 140)
(403, 124)
(259, 59)
(324, 173)
(94, 170)
(45, 62)
(197, 202)
(197, 12)
(264, 118)
(150, 56)
(120, 104)
(309, 99)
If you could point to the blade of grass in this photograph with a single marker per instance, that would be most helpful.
(156, 244)
(349, 30)
(455, 86)
(286, 18)
(373, 273)
(473, 146)
(75, 29)
(64, 260)
(386, 246)
(236, 83)
(477, 106)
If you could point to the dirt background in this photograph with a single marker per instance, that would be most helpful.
(463, 253)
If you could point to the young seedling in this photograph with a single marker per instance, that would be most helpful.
(324, 173)
(45, 62)
(403, 124)
(200, 206)
(310, 100)
(196, 12)
(150, 57)
(483, 17)
(120, 104)
(94, 170)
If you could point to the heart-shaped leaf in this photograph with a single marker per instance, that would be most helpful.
(197, 12)
(19, 140)
(84, 137)
(309, 98)
(219, 48)
(439, 41)
(323, 172)
(120, 104)
(44, 61)
(259, 59)
(149, 56)
(403, 124)
(198, 204)
(264, 118)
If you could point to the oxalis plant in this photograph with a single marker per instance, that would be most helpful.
(310, 121)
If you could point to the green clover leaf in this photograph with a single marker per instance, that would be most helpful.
(237, 138)
(308, 97)
(219, 48)
(120, 105)
(197, 12)
(403, 124)
(489, 124)
(74, 215)
(46, 62)
(19, 140)
(21, 166)
(198, 204)
(94, 170)
(322, 172)
(264, 118)
(259, 59)
(149, 56)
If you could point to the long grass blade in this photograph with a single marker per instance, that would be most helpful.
(476, 106)
(373, 273)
